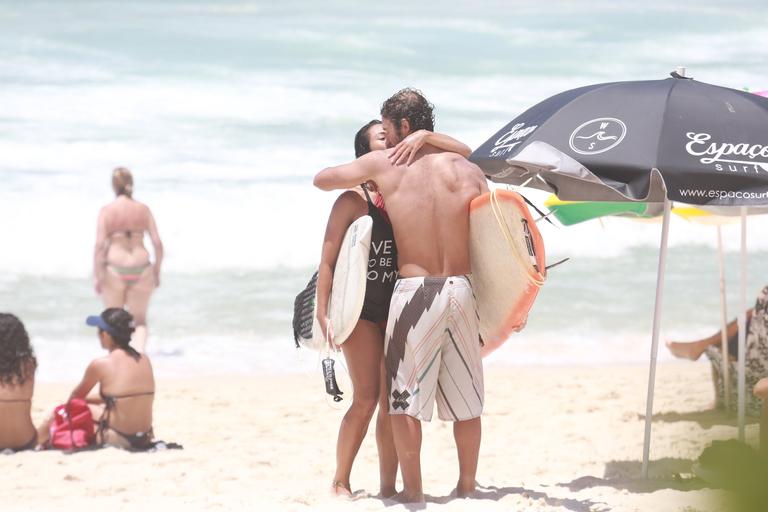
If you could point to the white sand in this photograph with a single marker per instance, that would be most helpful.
(566, 439)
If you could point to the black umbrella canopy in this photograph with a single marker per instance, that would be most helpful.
(690, 141)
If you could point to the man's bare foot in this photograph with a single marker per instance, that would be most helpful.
(683, 350)
(409, 497)
(340, 489)
(387, 492)
(465, 490)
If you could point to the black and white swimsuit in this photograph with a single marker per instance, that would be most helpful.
(382, 266)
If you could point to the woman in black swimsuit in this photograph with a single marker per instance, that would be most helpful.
(17, 383)
(364, 348)
(123, 406)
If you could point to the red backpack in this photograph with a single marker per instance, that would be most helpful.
(72, 426)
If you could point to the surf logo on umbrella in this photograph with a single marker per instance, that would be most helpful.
(597, 136)
(513, 137)
(726, 156)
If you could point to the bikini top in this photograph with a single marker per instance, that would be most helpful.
(111, 400)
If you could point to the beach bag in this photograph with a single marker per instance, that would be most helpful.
(72, 426)
(304, 313)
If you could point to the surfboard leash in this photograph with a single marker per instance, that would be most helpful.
(329, 374)
(544, 216)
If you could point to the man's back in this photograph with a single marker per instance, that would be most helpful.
(428, 204)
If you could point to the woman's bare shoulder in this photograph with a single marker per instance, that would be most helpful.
(352, 199)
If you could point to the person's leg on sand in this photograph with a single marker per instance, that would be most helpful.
(384, 440)
(407, 434)
(694, 349)
(460, 394)
(137, 298)
(467, 435)
(362, 352)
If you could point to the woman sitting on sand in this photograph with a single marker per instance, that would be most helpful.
(123, 406)
(123, 273)
(756, 354)
(17, 383)
(364, 348)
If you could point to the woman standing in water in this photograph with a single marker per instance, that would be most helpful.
(123, 273)
(363, 350)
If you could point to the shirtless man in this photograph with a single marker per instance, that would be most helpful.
(432, 346)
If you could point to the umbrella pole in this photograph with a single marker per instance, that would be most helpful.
(726, 376)
(655, 337)
(743, 323)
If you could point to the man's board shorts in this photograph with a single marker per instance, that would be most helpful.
(432, 349)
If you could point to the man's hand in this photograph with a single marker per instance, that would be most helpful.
(407, 148)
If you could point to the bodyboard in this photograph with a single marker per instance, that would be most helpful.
(508, 264)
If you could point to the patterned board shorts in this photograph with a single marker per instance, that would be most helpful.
(432, 349)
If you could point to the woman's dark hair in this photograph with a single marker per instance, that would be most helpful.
(409, 104)
(121, 328)
(17, 359)
(362, 140)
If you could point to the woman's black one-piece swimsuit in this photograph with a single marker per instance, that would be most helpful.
(382, 266)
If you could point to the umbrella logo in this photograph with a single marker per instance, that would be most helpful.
(598, 136)
(511, 138)
(734, 157)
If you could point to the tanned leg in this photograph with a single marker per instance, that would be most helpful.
(137, 298)
(407, 434)
(694, 349)
(384, 440)
(363, 352)
(467, 435)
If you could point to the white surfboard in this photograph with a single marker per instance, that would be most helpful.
(349, 281)
(508, 264)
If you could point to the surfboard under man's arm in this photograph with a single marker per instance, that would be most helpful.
(367, 167)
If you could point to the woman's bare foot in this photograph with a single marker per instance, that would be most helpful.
(687, 350)
(340, 489)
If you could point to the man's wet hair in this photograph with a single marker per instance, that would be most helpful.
(17, 359)
(362, 140)
(409, 104)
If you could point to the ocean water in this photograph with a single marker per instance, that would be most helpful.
(225, 110)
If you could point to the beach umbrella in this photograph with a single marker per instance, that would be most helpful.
(652, 141)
